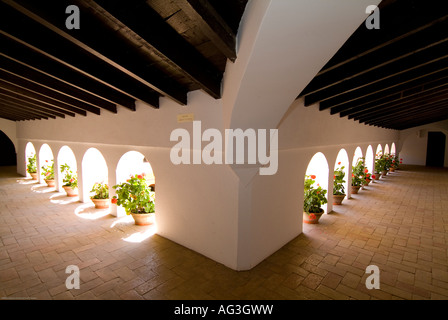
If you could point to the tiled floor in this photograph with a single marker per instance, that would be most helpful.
(399, 224)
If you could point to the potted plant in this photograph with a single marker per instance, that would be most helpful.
(48, 173)
(379, 166)
(338, 185)
(357, 176)
(395, 163)
(31, 167)
(101, 195)
(313, 199)
(136, 197)
(70, 181)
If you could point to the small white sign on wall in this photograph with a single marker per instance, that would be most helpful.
(187, 117)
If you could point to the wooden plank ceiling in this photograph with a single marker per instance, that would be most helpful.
(123, 51)
(394, 77)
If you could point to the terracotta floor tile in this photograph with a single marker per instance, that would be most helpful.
(398, 224)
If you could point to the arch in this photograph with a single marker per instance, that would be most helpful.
(370, 159)
(386, 149)
(356, 155)
(318, 166)
(30, 151)
(94, 169)
(393, 149)
(343, 160)
(378, 152)
(66, 156)
(8, 151)
(131, 163)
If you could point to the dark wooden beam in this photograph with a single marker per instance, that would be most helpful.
(31, 75)
(35, 36)
(399, 113)
(18, 53)
(414, 98)
(40, 98)
(31, 108)
(211, 23)
(396, 82)
(102, 42)
(45, 92)
(24, 115)
(383, 96)
(140, 20)
(24, 100)
(396, 71)
(436, 113)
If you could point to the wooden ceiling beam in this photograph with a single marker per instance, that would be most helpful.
(383, 96)
(384, 76)
(103, 43)
(399, 82)
(31, 108)
(24, 100)
(166, 44)
(25, 110)
(420, 97)
(40, 98)
(402, 112)
(399, 51)
(28, 74)
(21, 113)
(18, 53)
(35, 36)
(211, 23)
(437, 113)
(44, 91)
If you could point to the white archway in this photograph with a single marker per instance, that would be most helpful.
(370, 159)
(29, 152)
(131, 163)
(318, 166)
(45, 157)
(94, 170)
(343, 160)
(66, 156)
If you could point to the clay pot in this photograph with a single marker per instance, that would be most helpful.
(101, 203)
(337, 199)
(312, 218)
(71, 192)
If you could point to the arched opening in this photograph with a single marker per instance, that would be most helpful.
(370, 160)
(31, 160)
(130, 164)
(393, 149)
(386, 149)
(8, 151)
(94, 171)
(317, 170)
(379, 152)
(46, 160)
(67, 167)
(342, 164)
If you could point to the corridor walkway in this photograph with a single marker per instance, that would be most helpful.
(399, 224)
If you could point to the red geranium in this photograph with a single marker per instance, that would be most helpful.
(313, 176)
(312, 216)
(114, 200)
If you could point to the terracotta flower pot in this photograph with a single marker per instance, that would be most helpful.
(71, 192)
(50, 183)
(143, 219)
(377, 176)
(33, 175)
(312, 218)
(337, 199)
(392, 170)
(101, 203)
(355, 189)
(383, 173)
